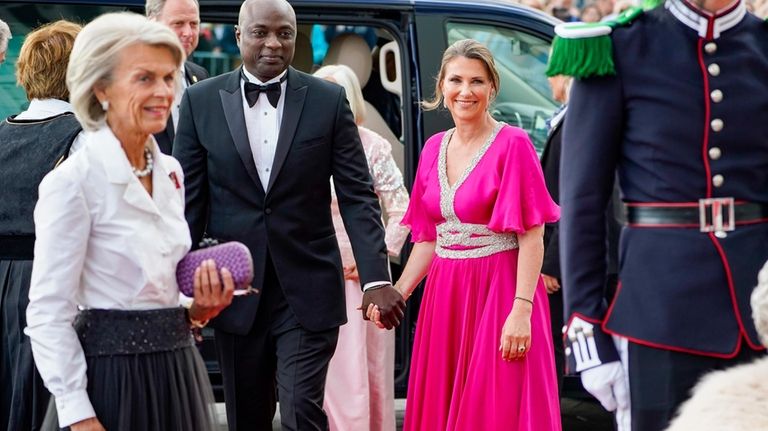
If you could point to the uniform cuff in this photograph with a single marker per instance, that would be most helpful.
(587, 345)
(74, 407)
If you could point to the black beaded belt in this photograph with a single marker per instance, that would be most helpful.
(709, 215)
(130, 332)
(17, 247)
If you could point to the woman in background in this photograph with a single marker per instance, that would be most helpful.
(109, 337)
(31, 144)
(359, 389)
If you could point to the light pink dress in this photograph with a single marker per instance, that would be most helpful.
(359, 389)
(458, 380)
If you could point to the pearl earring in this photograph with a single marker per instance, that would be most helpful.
(105, 105)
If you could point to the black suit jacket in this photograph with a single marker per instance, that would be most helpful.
(550, 164)
(291, 220)
(193, 75)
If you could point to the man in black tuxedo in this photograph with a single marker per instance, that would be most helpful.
(258, 147)
(183, 17)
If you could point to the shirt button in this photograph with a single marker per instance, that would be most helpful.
(713, 69)
(266, 141)
(715, 153)
(718, 180)
(717, 124)
(268, 211)
(716, 95)
(710, 48)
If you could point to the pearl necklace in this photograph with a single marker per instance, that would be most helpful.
(148, 165)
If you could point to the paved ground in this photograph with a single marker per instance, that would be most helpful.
(578, 415)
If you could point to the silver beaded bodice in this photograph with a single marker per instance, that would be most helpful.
(456, 239)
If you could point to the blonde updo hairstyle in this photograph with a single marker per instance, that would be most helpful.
(346, 77)
(467, 48)
(96, 53)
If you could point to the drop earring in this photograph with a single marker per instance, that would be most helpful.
(105, 105)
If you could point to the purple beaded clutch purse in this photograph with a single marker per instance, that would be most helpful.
(232, 255)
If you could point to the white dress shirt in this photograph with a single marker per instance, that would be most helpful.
(262, 122)
(182, 78)
(40, 109)
(102, 242)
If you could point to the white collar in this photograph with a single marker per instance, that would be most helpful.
(256, 80)
(44, 108)
(104, 143)
(707, 24)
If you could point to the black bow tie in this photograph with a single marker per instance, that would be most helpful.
(273, 90)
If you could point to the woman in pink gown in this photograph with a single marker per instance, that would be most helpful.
(482, 358)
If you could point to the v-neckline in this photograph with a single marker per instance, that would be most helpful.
(448, 192)
(472, 162)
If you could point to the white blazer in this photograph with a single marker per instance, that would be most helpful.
(102, 242)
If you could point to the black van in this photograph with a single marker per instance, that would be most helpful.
(405, 41)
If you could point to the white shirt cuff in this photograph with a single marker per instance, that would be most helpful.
(375, 284)
(74, 407)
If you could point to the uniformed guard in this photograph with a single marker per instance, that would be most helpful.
(676, 100)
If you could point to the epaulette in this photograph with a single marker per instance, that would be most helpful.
(583, 50)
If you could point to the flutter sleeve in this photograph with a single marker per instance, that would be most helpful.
(416, 217)
(523, 201)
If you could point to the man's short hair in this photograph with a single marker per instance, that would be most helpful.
(154, 8)
(5, 36)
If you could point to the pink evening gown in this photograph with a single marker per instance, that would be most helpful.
(360, 388)
(458, 380)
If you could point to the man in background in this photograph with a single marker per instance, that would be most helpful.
(183, 17)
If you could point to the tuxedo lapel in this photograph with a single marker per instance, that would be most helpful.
(232, 103)
(295, 93)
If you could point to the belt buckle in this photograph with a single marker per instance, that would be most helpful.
(717, 215)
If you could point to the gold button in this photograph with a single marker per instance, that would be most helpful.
(715, 153)
(717, 124)
(718, 180)
(713, 69)
(710, 48)
(716, 95)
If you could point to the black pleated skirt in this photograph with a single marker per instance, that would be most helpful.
(23, 396)
(144, 372)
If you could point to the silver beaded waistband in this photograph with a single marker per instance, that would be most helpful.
(477, 238)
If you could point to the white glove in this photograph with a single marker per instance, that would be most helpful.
(608, 384)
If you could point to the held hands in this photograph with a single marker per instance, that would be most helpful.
(90, 424)
(212, 293)
(516, 332)
(384, 305)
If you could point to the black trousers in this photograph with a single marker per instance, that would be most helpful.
(277, 359)
(556, 319)
(661, 380)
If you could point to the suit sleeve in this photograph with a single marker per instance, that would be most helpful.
(358, 203)
(193, 158)
(551, 167)
(592, 138)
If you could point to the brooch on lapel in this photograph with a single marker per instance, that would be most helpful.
(175, 180)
